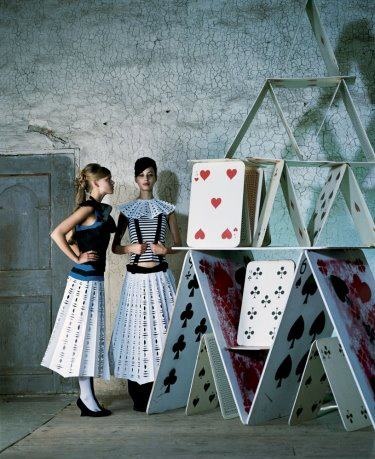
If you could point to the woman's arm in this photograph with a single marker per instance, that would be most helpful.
(61, 230)
(119, 249)
(159, 248)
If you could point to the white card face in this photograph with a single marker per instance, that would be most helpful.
(189, 322)
(303, 321)
(325, 200)
(214, 215)
(268, 204)
(267, 287)
(353, 413)
(227, 404)
(293, 208)
(203, 395)
(219, 277)
(348, 289)
(312, 389)
(358, 208)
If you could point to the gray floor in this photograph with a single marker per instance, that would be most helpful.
(62, 433)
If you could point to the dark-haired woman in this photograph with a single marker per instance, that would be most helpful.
(148, 292)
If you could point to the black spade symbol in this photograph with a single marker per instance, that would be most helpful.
(193, 285)
(309, 288)
(322, 197)
(284, 370)
(323, 215)
(308, 381)
(339, 287)
(296, 331)
(187, 314)
(211, 397)
(318, 325)
(299, 411)
(299, 281)
(301, 366)
(206, 386)
(200, 329)
(323, 204)
(179, 346)
(329, 178)
(323, 378)
(357, 208)
(170, 380)
(202, 372)
(195, 401)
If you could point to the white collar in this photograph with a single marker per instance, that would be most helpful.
(149, 208)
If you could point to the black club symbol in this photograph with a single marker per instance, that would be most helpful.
(276, 313)
(257, 273)
(340, 348)
(251, 313)
(349, 416)
(281, 272)
(279, 291)
(254, 292)
(272, 333)
(364, 412)
(249, 333)
(326, 353)
(266, 301)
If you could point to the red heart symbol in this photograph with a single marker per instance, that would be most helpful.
(231, 173)
(216, 202)
(362, 289)
(204, 174)
(200, 234)
(196, 179)
(226, 235)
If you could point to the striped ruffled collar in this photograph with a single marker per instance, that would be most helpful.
(148, 208)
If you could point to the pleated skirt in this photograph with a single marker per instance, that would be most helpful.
(146, 303)
(77, 344)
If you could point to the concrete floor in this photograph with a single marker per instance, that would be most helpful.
(62, 433)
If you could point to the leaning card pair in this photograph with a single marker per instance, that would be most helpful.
(217, 188)
(304, 320)
(187, 325)
(348, 288)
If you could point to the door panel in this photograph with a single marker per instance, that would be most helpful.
(36, 193)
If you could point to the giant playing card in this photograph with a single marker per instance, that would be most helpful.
(221, 279)
(348, 288)
(216, 198)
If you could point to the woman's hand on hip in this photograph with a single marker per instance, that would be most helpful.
(86, 257)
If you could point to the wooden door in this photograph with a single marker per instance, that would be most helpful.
(36, 193)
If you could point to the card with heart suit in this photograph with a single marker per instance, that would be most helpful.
(215, 216)
(188, 323)
(347, 286)
(203, 394)
(327, 369)
(267, 287)
(303, 321)
(221, 278)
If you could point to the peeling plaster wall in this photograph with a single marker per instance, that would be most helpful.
(174, 80)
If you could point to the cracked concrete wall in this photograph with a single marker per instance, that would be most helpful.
(174, 80)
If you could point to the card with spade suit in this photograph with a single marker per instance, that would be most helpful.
(216, 204)
(203, 395)
(327, 370)
(303, 321)
(348, 288)
(188, 323)
(267, 287)
(221, 278)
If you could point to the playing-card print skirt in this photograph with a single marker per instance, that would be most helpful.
(77, 344)
(146, 303)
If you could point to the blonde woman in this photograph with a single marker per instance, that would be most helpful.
(77, 344)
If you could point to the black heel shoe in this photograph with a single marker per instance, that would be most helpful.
(95, 414)
(108, 412)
